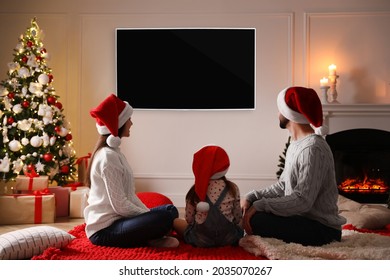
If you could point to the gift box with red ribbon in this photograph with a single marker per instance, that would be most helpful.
(82, 166)
(35, 208)
(26, 183)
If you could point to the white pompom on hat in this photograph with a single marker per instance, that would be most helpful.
(302, 105)
(210, 162)
(111, 115)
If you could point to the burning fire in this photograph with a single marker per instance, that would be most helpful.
(367, 185)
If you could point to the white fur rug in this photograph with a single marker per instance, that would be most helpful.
(353, 246)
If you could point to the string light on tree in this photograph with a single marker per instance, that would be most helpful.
(35, 131)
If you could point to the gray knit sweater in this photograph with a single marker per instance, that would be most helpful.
(112, 194)
(307, 185)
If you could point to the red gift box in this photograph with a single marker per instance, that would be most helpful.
(62, 200)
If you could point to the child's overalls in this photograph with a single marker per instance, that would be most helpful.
(216, 231)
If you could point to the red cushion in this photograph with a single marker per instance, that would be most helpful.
(153, 199)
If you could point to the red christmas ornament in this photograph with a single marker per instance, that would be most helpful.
(30, 44)
(68, 137)
(58, 105)
(10, 120)
(51, 100)
(43, 50)
(57, 129)
(50, 77)
(48, 157)
(25, 104)
(11, 95)
(64, 169)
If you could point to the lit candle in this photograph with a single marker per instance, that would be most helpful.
(332, 70)
(324, 82)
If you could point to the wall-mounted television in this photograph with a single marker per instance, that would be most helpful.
(186, 68)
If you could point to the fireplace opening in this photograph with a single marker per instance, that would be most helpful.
(362, 164)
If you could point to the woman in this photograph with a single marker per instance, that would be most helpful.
(115, 216)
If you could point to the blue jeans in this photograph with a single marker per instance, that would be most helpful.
(137, 231)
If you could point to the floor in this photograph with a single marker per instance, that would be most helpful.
(64, 223)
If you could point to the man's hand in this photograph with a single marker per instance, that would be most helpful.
(245, 204)
(247, 215)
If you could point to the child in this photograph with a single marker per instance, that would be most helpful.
(213, 214)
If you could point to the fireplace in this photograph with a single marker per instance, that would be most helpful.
(362, 164)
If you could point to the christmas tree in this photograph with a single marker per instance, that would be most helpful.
(36, 137)
(282, 159)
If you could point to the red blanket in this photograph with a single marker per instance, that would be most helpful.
(82, 249)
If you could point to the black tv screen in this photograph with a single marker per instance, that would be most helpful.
(187, 68)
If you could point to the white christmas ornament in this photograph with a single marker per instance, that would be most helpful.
(24, 125)
(23, 73)
(18, 165)
(36, 141)
(32, 61)
(5, 135)
(63, 132)
(40, 167)
(43, 79)
(4, 164)
(52, 140)
(36, 88)
(17, 108)
(13, 66)
(45, 139)
(25, 141)
(14, 145)
(24, 91)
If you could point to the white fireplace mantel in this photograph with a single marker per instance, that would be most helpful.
(347, 116)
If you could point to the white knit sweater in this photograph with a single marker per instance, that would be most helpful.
(112, 194)
(307, 185)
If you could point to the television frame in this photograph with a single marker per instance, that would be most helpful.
(251, 100)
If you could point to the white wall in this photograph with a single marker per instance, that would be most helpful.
(296, 41)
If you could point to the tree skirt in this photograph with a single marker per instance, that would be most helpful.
(355, 245)
(82, 249)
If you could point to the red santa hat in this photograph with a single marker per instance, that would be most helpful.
(210, 162)
(111, 115)
(302, 105)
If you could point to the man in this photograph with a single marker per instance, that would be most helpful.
(302, 206)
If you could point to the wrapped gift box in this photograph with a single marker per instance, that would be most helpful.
(82, 166)
(26, 183)
(78, 201)
(27, 209)
(62, 200)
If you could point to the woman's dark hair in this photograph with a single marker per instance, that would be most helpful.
(101, 142)
(193, 198)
